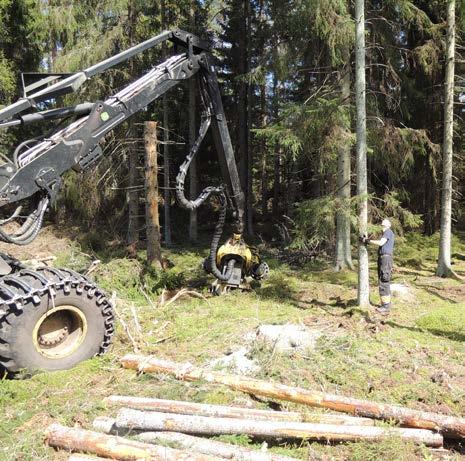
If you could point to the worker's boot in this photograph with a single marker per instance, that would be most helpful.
(384, 309)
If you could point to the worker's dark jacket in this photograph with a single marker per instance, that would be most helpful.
(385, 266)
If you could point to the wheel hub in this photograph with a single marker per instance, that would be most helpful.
(60, 332)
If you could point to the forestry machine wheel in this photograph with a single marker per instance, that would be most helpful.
(51, 319)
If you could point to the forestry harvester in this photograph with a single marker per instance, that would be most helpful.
(54, 318)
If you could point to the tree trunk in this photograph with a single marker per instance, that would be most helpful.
(249, 195)
(444, 268)
(166, 151)
(263, 151)
(360, 95)
(343, 257)
(201, 409)
(117, 448)
(133, 193)
(193, 230)
(79, 457)
(210, 447)
(151, 190)
(450, 426)
(152, 420)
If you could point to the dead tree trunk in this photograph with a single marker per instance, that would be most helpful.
(133, 186)
(79, 457)
(210, 447)
(221, 411)
(152, 420)
(453, 427)
(151, 191)
(117, 448)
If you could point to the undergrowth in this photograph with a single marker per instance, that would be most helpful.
(415, 357)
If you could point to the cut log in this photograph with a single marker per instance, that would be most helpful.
(222, 411)
(450, 426)
(79, 457)
(117, 448)
(210, 447)
(154, 421)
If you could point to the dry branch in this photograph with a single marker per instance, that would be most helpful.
(210, 447)
(154, 421)
(117, 448)
(449, 425)
(179, 294)
(201, 409)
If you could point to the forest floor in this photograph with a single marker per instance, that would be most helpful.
(415, 357)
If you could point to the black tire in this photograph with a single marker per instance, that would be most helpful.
(65, 320)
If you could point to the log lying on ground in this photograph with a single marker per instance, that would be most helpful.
(116, 448)
(450, 426)
(155, 421)
(210, 447)
(222, 411)
(79, 457)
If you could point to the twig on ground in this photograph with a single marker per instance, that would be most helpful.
(92, 267)
(135, 346)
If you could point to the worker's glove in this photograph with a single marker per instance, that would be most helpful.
(364, 239)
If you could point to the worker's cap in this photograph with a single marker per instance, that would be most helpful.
(386, 223)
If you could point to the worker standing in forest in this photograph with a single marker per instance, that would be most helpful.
(385, 252)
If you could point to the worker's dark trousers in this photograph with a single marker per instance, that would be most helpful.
(384, 278)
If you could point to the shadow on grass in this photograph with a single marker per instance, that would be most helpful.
(452, 335)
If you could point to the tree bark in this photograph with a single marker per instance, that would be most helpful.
(448, 425)
(263, 155)
(210, 447)
(363, 294)
(343, 257)
(249, 195)
(118, 448)
(133, 193)
(201, 409)
(152, 420)
(166, 150)
(79, 457)
(193, 228)
(151, 190)
(444, 268)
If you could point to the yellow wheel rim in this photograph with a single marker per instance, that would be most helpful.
(60, 332)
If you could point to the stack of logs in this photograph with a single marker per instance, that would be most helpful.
(156, 423)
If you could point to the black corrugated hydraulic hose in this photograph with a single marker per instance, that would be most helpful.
(203, 196)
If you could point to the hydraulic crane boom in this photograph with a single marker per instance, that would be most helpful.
(54, 318)
(37, 166)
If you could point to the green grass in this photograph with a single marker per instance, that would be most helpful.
(414, 358)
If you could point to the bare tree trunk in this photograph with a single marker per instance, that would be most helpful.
(151, 191)
(343, 257)
(201, 409)
(152, 420)
(360, 95)
(133, 185)
(79, 457)
(193, 229)
(210, 447)
(263, 172)
(451, 426)
(166, 151)
(444, 268)
(249, 194)
(117, 448)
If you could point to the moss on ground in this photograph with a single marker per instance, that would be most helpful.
(415, 357)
